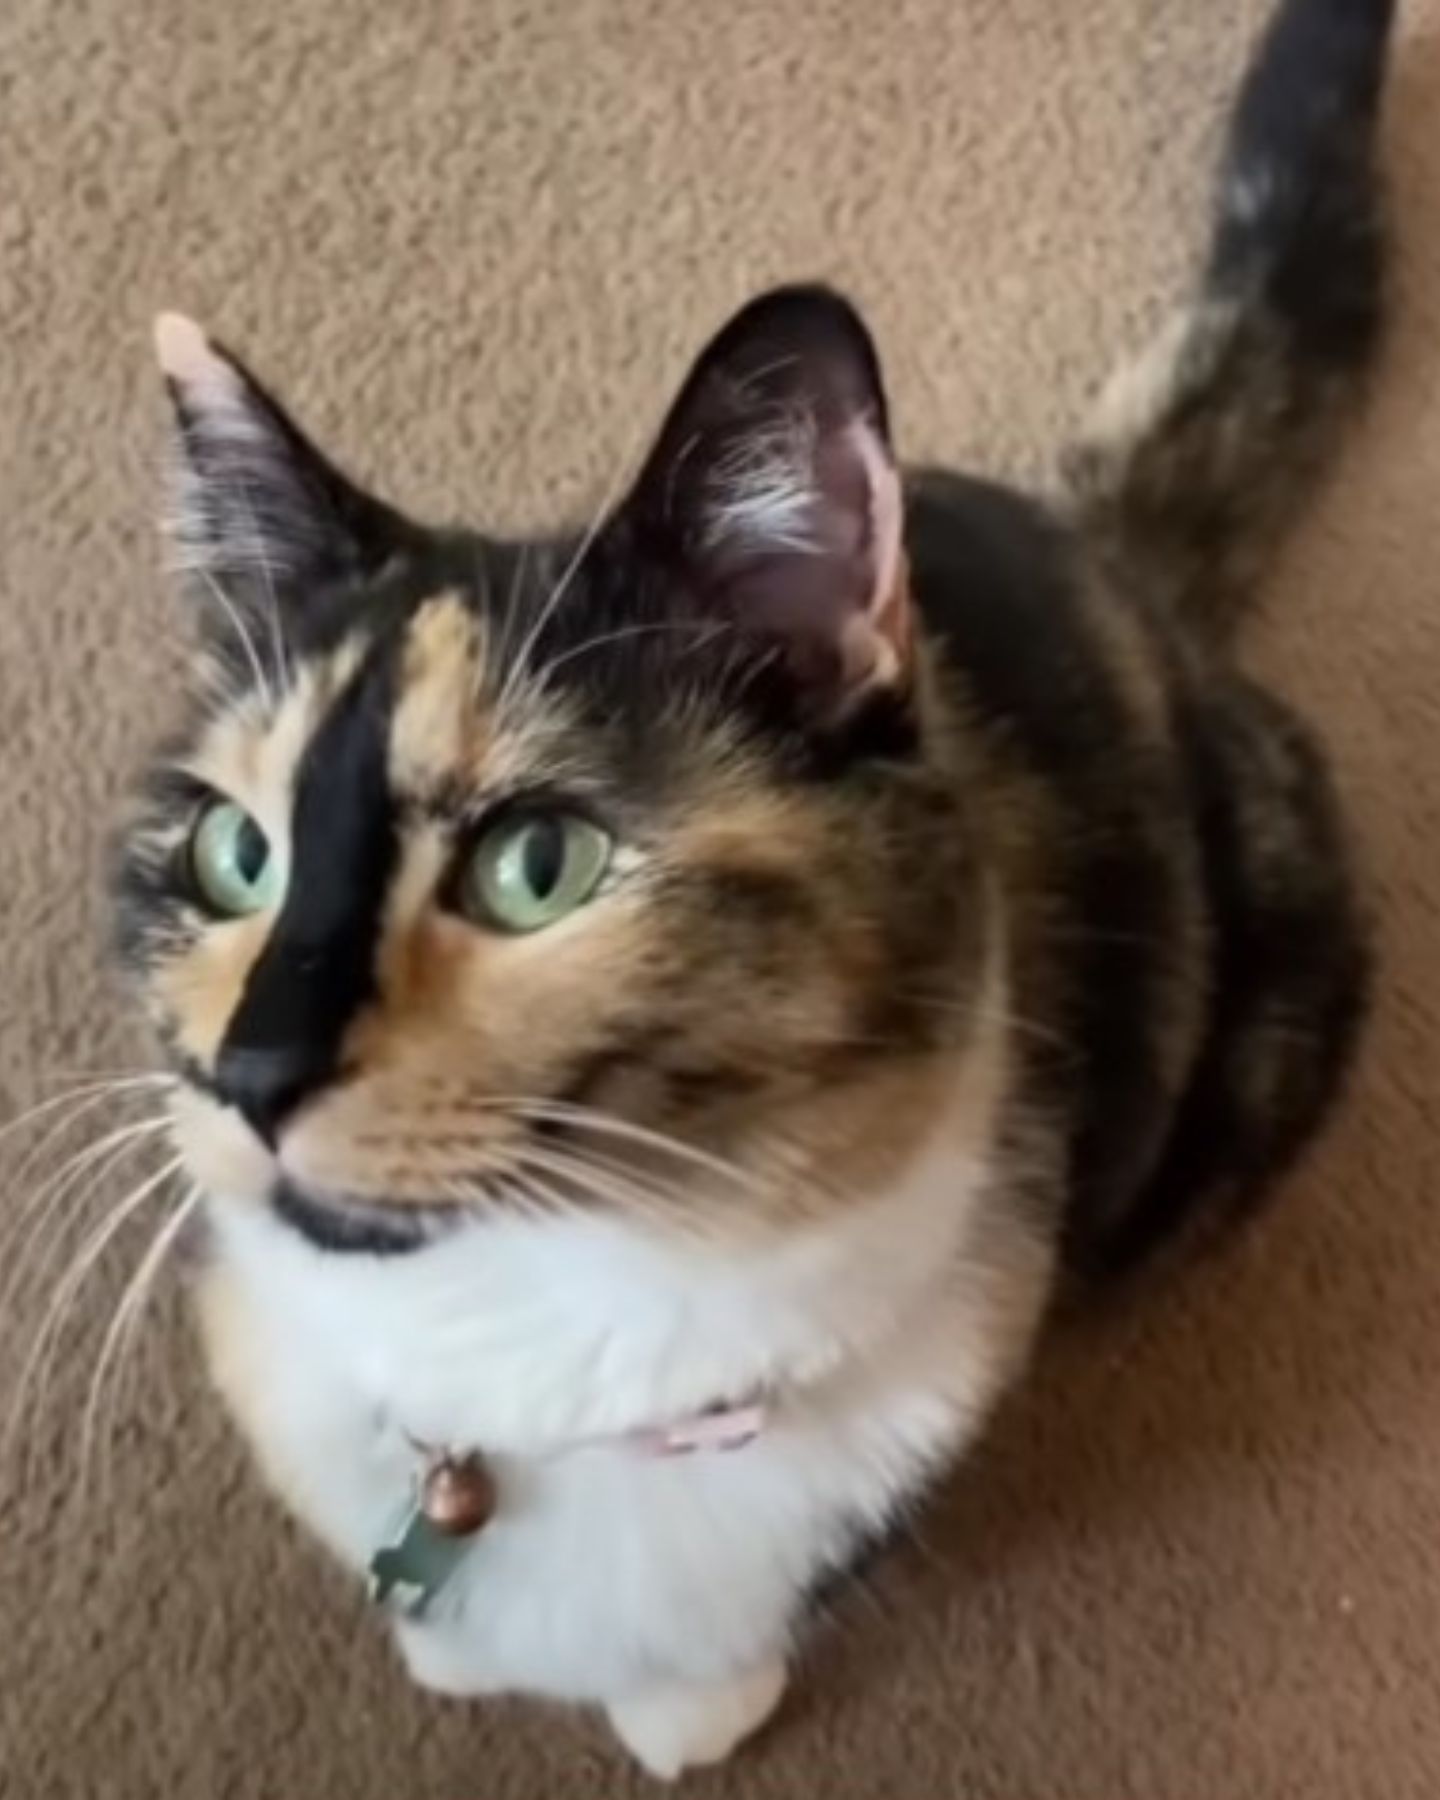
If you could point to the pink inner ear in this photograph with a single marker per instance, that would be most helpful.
(876, 643)
(882, 481)
(804, 532)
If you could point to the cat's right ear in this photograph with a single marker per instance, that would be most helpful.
(255, 507)
(772, 501)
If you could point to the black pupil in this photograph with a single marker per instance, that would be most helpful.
(543, 857)
(251, 851)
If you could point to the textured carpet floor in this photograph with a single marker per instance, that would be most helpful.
(1199, 1557)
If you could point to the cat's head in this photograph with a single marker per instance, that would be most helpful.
(617, 869)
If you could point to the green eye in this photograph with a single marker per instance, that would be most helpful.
(231, 861)
(529, 871)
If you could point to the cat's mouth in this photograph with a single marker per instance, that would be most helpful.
(345, 1223)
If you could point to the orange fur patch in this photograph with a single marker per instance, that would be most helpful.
(439, 728)
(199, 991)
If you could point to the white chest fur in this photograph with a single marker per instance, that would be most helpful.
(883, 1334)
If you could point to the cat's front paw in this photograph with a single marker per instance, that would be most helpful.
(671, 1729)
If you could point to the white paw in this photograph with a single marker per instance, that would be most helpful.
(671, 1729)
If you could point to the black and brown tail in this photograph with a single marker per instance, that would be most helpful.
(1202, 448)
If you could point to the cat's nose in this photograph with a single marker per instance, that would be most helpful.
(266, 1085)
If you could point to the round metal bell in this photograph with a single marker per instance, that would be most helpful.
(458, 1496)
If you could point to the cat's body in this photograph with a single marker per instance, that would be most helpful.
(736, 959)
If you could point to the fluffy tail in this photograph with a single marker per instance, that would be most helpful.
(1203, 447)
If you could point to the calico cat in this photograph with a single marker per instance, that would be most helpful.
(656, 1011)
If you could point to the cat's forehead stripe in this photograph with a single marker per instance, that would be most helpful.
(439, 728)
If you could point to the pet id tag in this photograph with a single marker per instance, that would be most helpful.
(453, 1502)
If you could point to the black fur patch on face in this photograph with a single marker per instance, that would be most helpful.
(318, 966)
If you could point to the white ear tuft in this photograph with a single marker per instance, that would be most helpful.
(761, 494)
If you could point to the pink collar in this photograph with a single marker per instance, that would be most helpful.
(718, 1427)
(454, 1498)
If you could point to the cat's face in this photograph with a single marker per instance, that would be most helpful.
(613, 870)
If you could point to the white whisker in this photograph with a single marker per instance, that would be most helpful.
(512, 598)
(607, 1179)
(101, 1089)
(243, 633)
(124, 1077)
(50, 1204)
(54, 1136)
(520, 667)
(584, 1118)
(471, 1193)
(702, 632)
(122, 1331)
(267, 574)
(37, 1369)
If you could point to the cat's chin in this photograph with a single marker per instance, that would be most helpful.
(348, 1226)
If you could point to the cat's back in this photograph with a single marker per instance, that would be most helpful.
(1028, 634)
(1172, 863)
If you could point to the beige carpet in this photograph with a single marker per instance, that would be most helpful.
(1200, 1556)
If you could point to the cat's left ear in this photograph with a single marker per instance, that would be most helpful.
(255, 504)
(773, 498)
